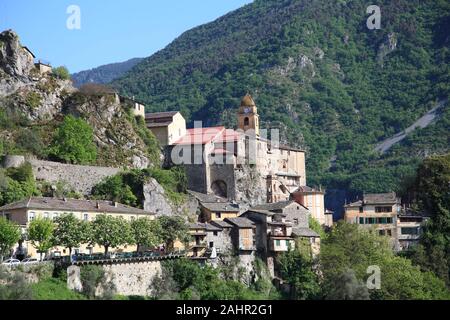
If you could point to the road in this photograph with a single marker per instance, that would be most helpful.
(423, 122)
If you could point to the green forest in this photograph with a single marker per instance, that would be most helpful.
(317, 73)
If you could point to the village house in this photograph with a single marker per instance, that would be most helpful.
(213, 207)
(378, 211)
(409, 228)
(138, 108)
(25, 211)
(314, 200)
(167, 127)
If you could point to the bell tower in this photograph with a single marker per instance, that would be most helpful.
(248, 117)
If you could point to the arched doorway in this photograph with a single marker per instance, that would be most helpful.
(219, 188)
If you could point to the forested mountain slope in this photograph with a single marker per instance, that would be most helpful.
(105, 73)
(319, 74)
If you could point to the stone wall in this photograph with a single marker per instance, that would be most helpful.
(79, 178)
(129, 279)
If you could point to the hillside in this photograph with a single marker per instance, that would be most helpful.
(319, 74)
(34, 106)
(104, 74)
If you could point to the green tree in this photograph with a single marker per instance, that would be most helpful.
(9, 236)
(146, 232)
(111, 232)
(61, 73)
(70, 232)
(40, 233)
(173, 228)
(298, 271)
(73, 142)
(350, 247)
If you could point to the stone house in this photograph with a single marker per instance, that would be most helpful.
(378, 211)
(25, 211)
(167, 127)
(137, 107)
(409, 228)
(214, 208)
(43, 67)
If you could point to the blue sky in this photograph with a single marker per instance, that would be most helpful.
(111, 31)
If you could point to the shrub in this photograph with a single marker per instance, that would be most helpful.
(61, 73)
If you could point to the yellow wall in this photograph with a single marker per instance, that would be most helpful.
(23, 216)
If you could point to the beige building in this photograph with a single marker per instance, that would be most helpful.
(314, 200)
(137, 107)
(167, 127)
(378, 211)
(25, 211)
(409, 228)
(43, 68)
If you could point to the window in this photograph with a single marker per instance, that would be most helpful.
(215, 233)
(296, 221)
(7, 216)
(381, 232)
(277, 243)
(246, 121)
(361, 209)
(383, 209)
(361, 220)
(410, 231)
(218, 215)
(211, 244)
(46, 215)
(31, 216)
(389, 232)
(85, 217)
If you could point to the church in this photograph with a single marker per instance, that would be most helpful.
(221, 161)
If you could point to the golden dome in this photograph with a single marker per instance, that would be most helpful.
(247, 101)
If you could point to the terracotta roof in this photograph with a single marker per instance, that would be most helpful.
(157, 115)
(200, 135)
(45, 203)
(241, 222)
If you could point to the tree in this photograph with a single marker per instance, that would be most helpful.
(70, 232)
(61, 73)
(350, 247)
(40, 233)
(146, 232)
(298, 271)
(111, 232)
(173, 228)
(9, 236)
(73, 142)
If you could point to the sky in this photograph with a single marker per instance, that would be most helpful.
(110, 31)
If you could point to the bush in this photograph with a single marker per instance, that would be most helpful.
(74, 142)
(61, 73)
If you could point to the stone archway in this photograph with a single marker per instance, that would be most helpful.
(219, 188)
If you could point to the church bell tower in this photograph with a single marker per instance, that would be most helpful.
(248, 117)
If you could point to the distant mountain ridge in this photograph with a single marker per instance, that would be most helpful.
(104, 74)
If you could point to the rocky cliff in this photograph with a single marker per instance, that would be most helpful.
(34, 103)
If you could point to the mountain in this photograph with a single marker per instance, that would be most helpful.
(33, 105)
(104, 74)
(317, 72)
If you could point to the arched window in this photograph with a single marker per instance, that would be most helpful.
(246, 121)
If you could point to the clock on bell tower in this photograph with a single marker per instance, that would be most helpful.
(248, 118)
